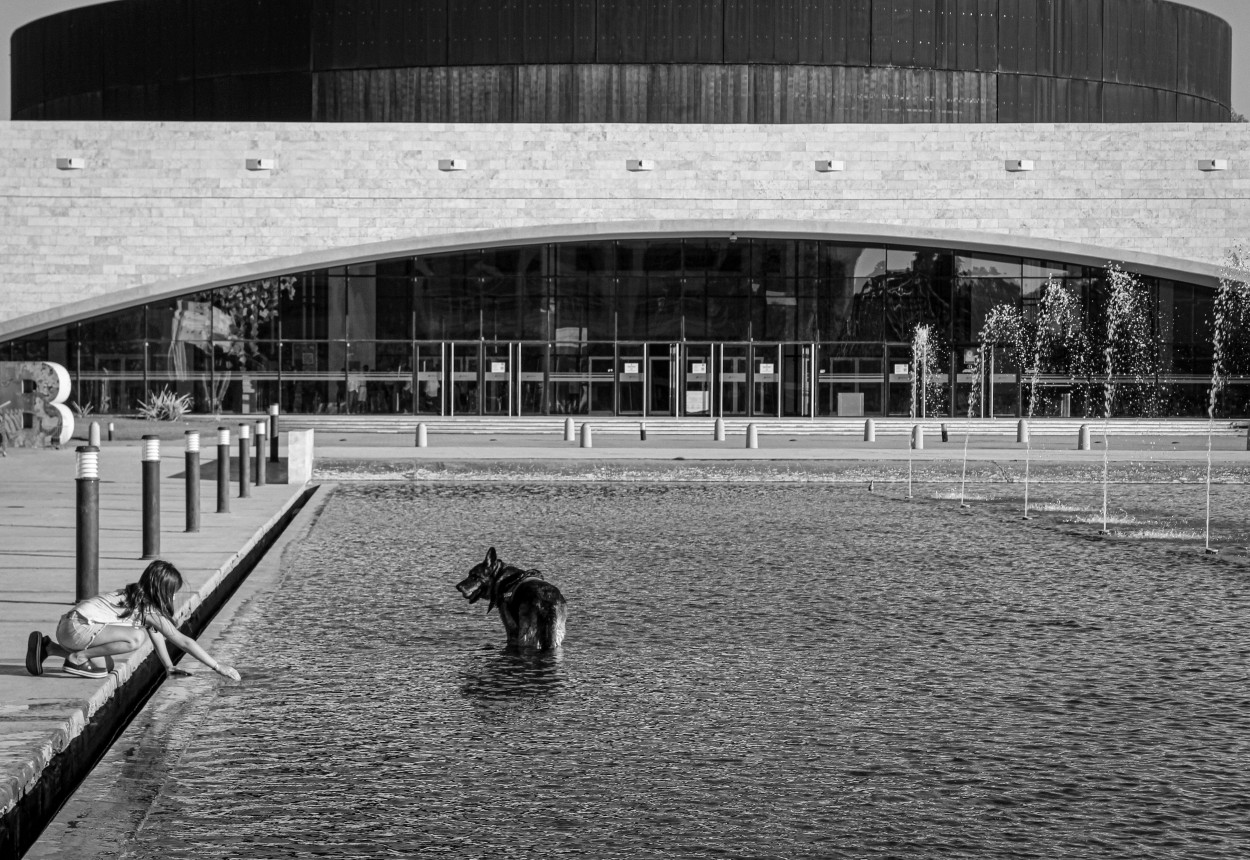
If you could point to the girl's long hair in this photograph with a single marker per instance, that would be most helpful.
(154, 592)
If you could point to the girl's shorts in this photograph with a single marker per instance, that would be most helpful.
(75, 632)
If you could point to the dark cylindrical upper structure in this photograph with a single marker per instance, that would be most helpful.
(714, 61)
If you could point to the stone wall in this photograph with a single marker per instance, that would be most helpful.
(158, 202)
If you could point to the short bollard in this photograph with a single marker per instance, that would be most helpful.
(917, 437)
(261, 427)
(1082, 439)
(753, 438)
(945, 434)
(423, 436)
(245, 461)
(87, 578)
(587, 437)
(1022, 432)
(642, 430)
(223, 470)
(568, 430)
(193, 480)
(718, 432)
(110, 431)
(273, 433)
(151, 496)
(870, 431)
(93, 435)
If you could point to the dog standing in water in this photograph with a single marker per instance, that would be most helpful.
(533, 610)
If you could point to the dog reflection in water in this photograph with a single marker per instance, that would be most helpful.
(533, 610)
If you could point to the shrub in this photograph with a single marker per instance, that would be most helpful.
(165, 406)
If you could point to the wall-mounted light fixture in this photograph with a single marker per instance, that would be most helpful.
(637, 164)
(1018, 165)
(1209, 164)
(70, 163)
(452, 164)
(827, 166)
(261, 164)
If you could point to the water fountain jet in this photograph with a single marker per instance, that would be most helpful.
(1126, 320)
(1056, 322)
(1232, 313)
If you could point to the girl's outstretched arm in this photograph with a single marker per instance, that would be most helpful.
(158, 643)
(162, 628)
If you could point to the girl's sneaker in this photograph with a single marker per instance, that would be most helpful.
(36, 653)
(86, 669)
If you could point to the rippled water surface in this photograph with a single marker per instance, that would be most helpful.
(750, 671)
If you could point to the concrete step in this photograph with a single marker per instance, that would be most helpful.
(848, 427)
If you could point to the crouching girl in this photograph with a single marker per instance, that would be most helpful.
(119, 622)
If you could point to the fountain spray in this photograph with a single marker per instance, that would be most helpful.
(1125, 318)
(1003, 325)
(1232, 311)
(1056, 321)
(922, 354)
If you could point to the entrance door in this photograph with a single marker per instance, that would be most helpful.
(465, 368)
(631, 379)
(659, 379)
(698, 381)
(766, 380)
(733, 380)
(602, 380)
(497, 380)
(430, 399)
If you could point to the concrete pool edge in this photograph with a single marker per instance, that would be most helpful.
(32, 794)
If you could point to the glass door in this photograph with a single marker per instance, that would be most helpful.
(429, 399)
(698, 366)
(466, 366)
(497, 379)
(631, 379)
(850, 379)
(899, 367)
(733, 379)
(602, 379)
(570, 379)
(660, 379)
(765, 380)
(535, 368)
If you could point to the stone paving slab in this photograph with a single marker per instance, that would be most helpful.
(40, 715)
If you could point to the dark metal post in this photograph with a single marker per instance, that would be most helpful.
(223, 470)
(245, 461)
(110, 431)
(273, 433)
(88, 551)
(193, 480)
(151, 496)
(261, 427)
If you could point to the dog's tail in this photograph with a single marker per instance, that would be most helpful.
(550, 617)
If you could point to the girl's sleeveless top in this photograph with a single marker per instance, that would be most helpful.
(108, 609)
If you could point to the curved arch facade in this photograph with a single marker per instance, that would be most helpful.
(712, 324)
(691, 61)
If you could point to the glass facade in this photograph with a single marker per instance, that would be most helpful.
(645, 327)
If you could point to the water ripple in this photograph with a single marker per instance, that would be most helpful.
(750, 671)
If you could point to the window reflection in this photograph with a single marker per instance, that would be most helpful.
(420, 334)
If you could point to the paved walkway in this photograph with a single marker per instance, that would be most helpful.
(40, 716)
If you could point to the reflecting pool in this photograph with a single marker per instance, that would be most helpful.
(750, 671)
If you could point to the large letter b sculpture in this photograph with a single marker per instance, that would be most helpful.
(32, 404)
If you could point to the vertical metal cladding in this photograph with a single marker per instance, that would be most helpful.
(626, 60)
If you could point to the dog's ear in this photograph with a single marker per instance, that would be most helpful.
(490, 557)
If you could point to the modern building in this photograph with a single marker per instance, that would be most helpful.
(536, 207)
